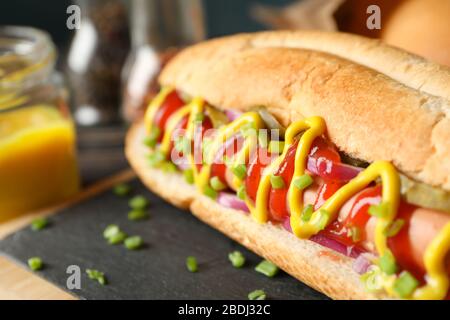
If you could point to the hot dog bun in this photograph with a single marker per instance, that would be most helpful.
(317, 266)
(379, 103)
(394, 105)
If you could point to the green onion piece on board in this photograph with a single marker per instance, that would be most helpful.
(267, 268)
(138, 202)
(303, 181)
(39, 224)
(35, 263)
(217, 184)
(96, 275)
(191, 264)
(122, 190)
(110, 231)
(133, 243)
(137, 214)
(257, 295)
(117, 238)
(277, 182)
(237, 259)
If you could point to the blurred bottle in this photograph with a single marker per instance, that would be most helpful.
(95, 60)
(158, 29)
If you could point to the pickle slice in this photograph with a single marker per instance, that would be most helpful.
(270, 120)
(424, 195)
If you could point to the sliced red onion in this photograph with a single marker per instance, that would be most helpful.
(230, 200)
(362, 263)
(182, 163)
(332, 170)
(349, 251)
(232, 114)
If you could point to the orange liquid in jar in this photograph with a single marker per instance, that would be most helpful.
(37, 159)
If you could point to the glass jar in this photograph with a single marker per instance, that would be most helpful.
(37, 136)
(159, 28)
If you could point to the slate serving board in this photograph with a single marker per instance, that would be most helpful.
(156, 271)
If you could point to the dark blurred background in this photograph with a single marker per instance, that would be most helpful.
(222, 16)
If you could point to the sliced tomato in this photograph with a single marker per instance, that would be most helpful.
(172, 103)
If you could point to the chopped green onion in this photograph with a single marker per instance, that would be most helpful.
(111, 231)
(183, 145)
(152, 138)
(387, 263)
(372, 280)
(267, 268)
(199, 117)
(216, 184)
(117, 238)
(405, 284)
(189, 176)
(277, 182)
(276, 146)
(133, 243)
(210, 192)
(379, 211)
(394, 228)
(248, 130)
(354, 233)
(240, 171)
(307, 212)
(39, 224)
(237, 259)
(241, 193)
(168, 167)
(303, 181)
(324, 216)
(138, 202)
(137, 214)
(96, 275)
(35, 263)
(122, 189)
(191, 264)
(156, 158)
(257, 295)
(262, 138)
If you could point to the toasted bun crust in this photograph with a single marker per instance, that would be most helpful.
(379, 102)
(315, 265)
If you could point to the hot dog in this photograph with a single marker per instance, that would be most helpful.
(360, 127)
